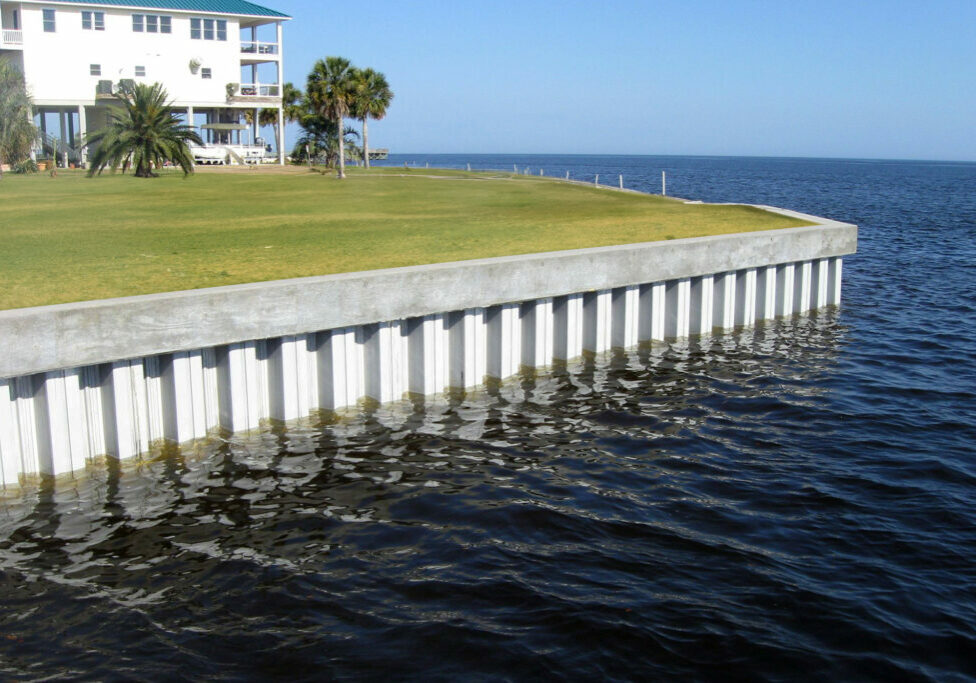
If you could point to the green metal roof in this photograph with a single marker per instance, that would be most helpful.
(241, 7)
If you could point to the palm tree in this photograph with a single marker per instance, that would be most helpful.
(371, 99)
(294, 103)
(330, 94)
(17, 129)
(143, 133)
(269, 117)
(266, 117)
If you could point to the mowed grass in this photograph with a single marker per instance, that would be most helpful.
(71, 238)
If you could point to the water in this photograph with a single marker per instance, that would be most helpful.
(796, 501)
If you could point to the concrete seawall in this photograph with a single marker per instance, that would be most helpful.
(113, 377)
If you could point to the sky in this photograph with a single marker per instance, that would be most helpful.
(854, 78)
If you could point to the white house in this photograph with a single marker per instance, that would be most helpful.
(217, 60)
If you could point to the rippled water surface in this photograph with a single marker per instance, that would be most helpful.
(796, 501)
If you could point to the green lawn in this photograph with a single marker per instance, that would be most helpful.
(72, 238)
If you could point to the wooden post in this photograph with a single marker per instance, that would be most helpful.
(567, 175)
(664, 185)
(597, 180)
(621, 181)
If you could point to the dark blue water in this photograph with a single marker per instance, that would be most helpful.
(792, 502)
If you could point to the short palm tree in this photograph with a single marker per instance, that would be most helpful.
(330, 94)
(143, 133)
(371, 99)
(17, 130)
(269, 117)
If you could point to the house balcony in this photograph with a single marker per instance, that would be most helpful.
(256, 52)
(11, 39)
(257, 93)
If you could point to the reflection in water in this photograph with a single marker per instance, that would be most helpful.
(528, 515)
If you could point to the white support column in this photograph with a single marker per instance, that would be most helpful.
(280, 142)
(626, 317)
(785, 285)
(724, 308)
(834, 286)
(537, 333)
(83, 131)
(597, 321)
(677, 308)
(745, 297)
(474, 352)
(504, 341)
(30, 118)
(702, 305)
(821, 277)
(66, 422)
(131, 423)
(766, 293)
(568, 327)
(10, 460)
(281, 92)
(802, 289)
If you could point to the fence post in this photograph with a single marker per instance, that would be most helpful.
(664, 185)
(621, 181)
(597, 180)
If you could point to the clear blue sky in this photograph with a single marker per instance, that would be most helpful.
(852, 78)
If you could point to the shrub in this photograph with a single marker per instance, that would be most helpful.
(25, 166)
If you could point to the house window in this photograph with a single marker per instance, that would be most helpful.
(206, 73)
(208, 29)
(48, 15)
(93, 21)
(16, 20)
(95, 69)
(152, 23)
(140, 72)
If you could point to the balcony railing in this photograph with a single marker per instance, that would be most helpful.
(257, 48)
(258, 90)
(11, 37)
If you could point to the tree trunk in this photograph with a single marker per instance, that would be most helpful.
(342, 152)
(365, 145)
